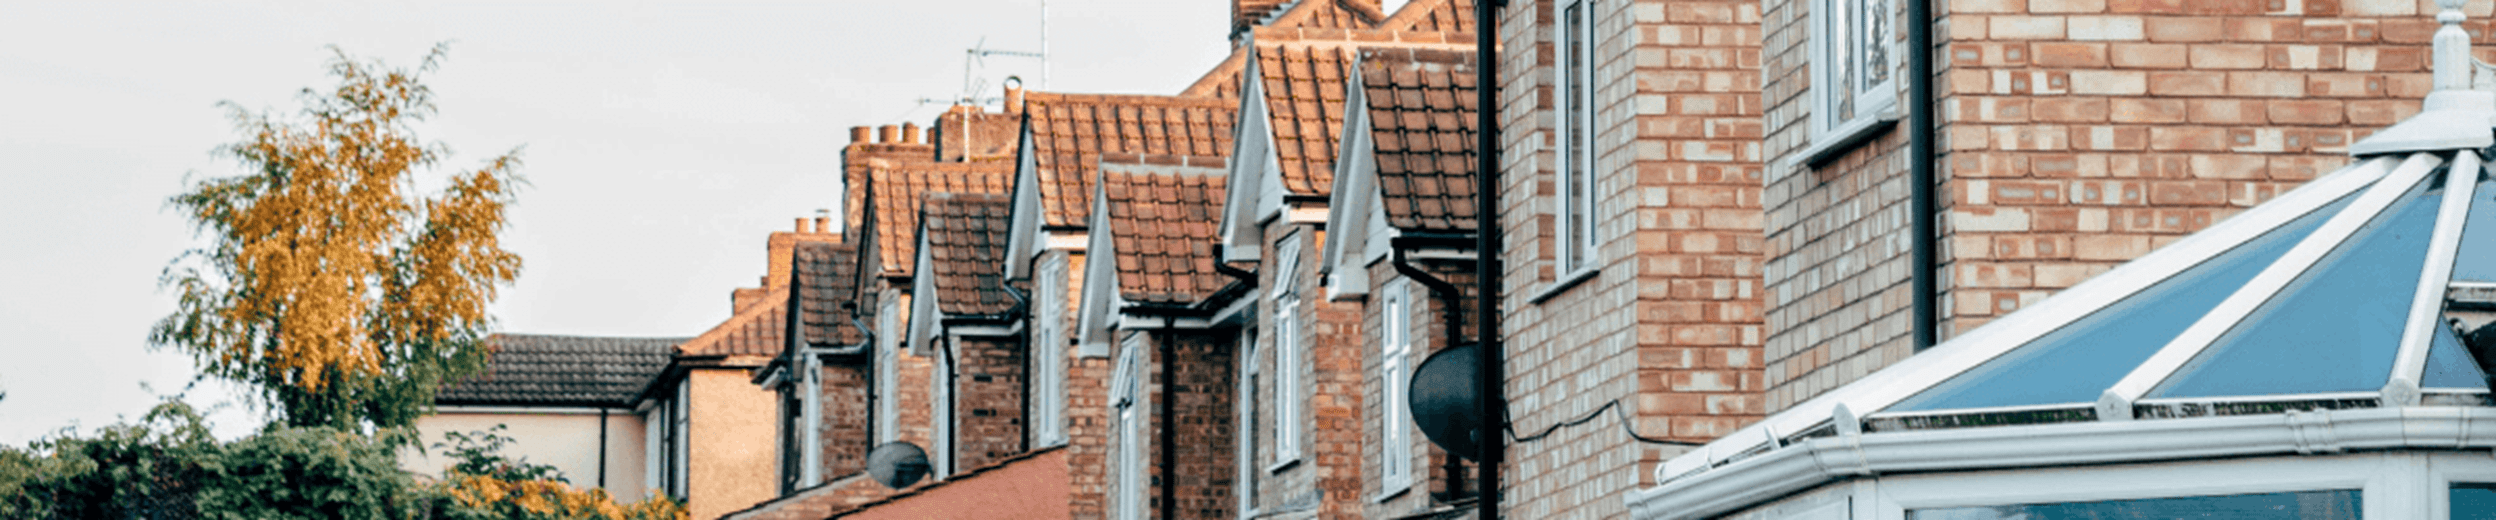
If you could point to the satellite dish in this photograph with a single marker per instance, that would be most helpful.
(897, 464)
(1442, 400)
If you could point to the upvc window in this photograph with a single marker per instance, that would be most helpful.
(1048, 387)
(887, 376)
(678, 481)
(1853, 50)
(941, 390)
(1130, 403)
(1574, 48)
(1247, 424)
(1287, 354)
(1395, 339)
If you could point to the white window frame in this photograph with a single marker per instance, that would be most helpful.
(1396, 333)
(1845, 46)
(887, 376)
(1573, 84)
(1048, 376)
(940, 391)
(1131, 403)
(2379, 477)
(1287, 354)
(1246, 426)
(654, 447)
(680, 484)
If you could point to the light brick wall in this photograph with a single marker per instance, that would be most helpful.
(988, 401)
(2075, 135)
(1330, 389)
(1670, 327)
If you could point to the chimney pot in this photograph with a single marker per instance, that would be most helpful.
(910, 133)
(1014, 100)
(888, 134)
(823, 225)
(801, 225)
(859, 134)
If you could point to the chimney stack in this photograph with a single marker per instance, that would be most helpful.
(888, 134)
(859, 134)
(910, 133)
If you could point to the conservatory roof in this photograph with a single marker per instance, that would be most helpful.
(2353, 292)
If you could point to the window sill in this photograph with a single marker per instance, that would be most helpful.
(1844, 138)
(1286, 464)
(1563, 285)
(1393, 490)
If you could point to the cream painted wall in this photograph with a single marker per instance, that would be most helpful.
(735, 459)
(566, 438)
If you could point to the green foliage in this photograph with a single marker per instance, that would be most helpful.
(168, 467)
(329, 282)
(480, 453)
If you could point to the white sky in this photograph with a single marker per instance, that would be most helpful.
(664, 140)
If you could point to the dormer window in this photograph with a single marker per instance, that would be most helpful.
(1575, 165)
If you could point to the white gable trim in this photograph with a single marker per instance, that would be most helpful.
(1243, 209)
(1355, 193)
(922, 317)
(1023, 230)
(1100, 286)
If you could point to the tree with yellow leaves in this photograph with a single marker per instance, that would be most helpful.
(331, 281)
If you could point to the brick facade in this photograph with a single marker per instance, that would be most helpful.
(1668, 325)
(2073, 136)
(1438, 477)
(1199, 424)
(988, 400)
(1327, 471)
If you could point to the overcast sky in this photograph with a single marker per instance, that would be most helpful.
(663, 141)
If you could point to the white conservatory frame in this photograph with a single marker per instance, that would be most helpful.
(2401, 445)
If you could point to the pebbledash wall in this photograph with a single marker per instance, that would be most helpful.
(2073, 135)
(1665, 320)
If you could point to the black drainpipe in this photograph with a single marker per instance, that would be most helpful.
(1168, 422)
(1920, 179)
(1486, 248)
(602, 447)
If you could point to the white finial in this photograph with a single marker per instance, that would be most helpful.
(2452, 48)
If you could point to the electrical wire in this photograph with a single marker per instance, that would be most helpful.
(1612, 406)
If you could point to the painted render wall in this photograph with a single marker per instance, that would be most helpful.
(566, 438)
(735, 441)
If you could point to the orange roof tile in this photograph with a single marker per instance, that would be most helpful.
(898, 192)
(1163, 211)
(1329, 14)
(826, 280)
(1443, 16)
(1069, 132)
(1304, 95)
(1421, 113)
(966, 248)
(753, 331)
(858, 160)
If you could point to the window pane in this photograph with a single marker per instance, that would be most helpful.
(2343, 504)
(1575, 132)
(2336, 327)
(2079, 361)
(1874, 66)
(2449, 366)
(2472, 500)
(2477, 259)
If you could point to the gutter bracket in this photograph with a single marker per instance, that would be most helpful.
(2313, 432)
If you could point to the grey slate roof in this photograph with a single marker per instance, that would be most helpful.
(542, 370)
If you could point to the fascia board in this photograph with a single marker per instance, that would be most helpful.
(1099, 295)
(1802, 465)
(1348, 198)
(1240, 308)
(1885, 387)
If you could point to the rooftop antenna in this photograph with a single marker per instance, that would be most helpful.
(977, 56)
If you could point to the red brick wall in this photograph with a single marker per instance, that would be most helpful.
(1434, 479)
(846, 432)
(988, 401)
(1200, 395)
(1330, 390)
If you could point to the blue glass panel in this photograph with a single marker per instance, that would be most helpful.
(2472, 500)
(2477, 261)
(2333, 329)
(2077, 362)
(2449, 366)
(2344, 504)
